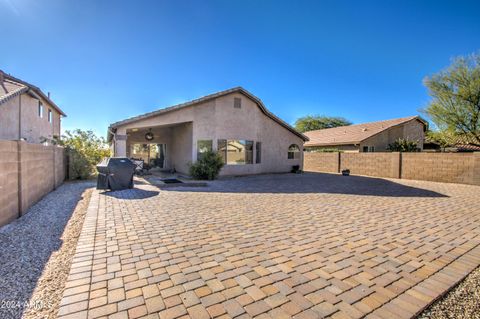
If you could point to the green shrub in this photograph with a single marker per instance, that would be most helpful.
(403, 145)
(85, 150)
(207, 166)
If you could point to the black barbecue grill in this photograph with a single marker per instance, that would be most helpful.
(115, 173)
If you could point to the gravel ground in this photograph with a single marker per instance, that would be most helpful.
(460, 303)
(36, 252)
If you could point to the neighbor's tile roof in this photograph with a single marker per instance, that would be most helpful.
(352, 134)
(16, 86)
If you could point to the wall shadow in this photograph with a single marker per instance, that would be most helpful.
(134, 193)
(314, 183)
(27, 244)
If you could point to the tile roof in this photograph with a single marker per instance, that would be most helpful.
(204, 99)
(16, 86)
(353, 134)
(13, 89)
(461, 143)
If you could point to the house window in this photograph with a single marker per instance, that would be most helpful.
(371, 149)
(236, 152)
(237, 102)
(293, 152)
(365, 149)
(50, 116)
(40, 109)
(258, 151)
(203, 146)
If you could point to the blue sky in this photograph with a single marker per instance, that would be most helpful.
(104, 61)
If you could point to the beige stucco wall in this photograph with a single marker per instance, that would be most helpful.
(32, 127)
(412, 130)
(218, 119)
(181, 147)
(9, 119)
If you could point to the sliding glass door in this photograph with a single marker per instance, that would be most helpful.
(152, 154)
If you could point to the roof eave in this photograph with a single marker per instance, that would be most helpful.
(36, 90)
(206, 98)
(332, 144)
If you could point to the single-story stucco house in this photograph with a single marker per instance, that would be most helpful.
(234, 123)
(27, 113)
(368, 137)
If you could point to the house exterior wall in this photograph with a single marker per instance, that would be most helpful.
(181, 147)
(32, 127)
(9, 120)
(218, 119)
(412, 130)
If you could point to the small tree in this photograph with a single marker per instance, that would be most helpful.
(455, 104)
(317, 122)
(403, 145)
(85, 150)
(443, 138)
(207, 167)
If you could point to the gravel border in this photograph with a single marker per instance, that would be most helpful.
(37, 250)
(462, 302)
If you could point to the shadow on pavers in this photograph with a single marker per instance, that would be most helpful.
(134, 193)
(314, 183)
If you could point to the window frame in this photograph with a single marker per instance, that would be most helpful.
(293, 154)
(258, 152)
(40, 109)
(200, 153)
(248, 146)
(50, 116)
(237, 103)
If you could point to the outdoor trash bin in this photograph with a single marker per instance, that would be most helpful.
(115, 173)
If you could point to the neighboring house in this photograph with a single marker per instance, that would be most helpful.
(459, 144)
(27, 113)
(368, 137)
(234, 123)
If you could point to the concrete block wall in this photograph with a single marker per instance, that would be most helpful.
(440, 167)
(9, 208)
(371, 164)
(322, 161)
(27, 173)
(461, 168)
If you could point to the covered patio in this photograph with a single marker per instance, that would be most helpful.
(162, 147)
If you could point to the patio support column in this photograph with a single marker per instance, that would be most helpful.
(120, 145)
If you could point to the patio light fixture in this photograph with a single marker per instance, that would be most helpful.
(149, 135)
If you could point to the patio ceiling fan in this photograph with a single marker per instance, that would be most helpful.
(149, 135)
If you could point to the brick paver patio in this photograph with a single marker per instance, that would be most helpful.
(277, 246)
